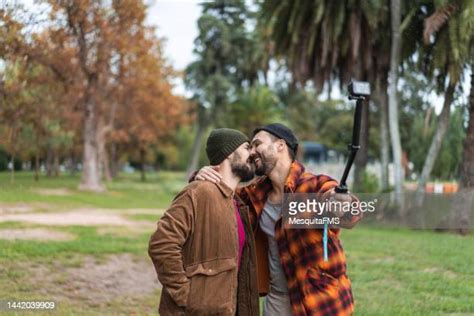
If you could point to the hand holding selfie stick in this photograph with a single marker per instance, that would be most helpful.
(358, 90)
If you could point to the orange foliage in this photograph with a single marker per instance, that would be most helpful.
(105, 70)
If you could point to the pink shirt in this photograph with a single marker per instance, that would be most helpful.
(240, 231)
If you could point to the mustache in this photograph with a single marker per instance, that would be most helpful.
(255, 156)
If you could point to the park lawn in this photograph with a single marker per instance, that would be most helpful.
(394, 272)
(20, 259)
(407, 272)
(127, 191)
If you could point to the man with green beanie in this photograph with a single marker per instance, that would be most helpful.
(203, 249)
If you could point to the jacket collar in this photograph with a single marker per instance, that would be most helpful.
(225, 190)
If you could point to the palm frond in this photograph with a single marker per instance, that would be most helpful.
(436, 21)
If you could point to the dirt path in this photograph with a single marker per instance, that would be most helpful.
(69, 218)
(81, 217)
(53, 192)
(95, 281)
(108, 220)
(98, 282)
(34, 234)
(15, 208)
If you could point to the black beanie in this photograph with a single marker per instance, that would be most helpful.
(222, 142)
(281, 131)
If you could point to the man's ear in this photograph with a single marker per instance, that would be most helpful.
(281, 145)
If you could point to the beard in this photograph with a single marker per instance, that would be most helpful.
(245, 171)
(266, 165)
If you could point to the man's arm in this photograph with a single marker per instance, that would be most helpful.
(209, 173)
(206, 173)
(326, 186)
(351, 218)
(165, 247)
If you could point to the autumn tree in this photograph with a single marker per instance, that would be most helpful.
(148, 113)
(12, 110)
(106, 60)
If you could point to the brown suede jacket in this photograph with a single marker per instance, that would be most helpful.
(195, 253)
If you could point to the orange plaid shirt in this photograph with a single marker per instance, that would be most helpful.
(316, 287)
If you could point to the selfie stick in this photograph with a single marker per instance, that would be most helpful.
(358, 90)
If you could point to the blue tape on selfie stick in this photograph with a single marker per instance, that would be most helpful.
(325, 242)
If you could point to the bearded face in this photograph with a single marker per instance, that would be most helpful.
(241, 164)
(263, 153)
(264, 161)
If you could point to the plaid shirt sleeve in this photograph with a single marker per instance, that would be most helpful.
(351, 218)
(316, 286)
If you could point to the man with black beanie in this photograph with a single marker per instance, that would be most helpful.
(203, 249)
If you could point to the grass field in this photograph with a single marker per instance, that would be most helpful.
(104, 269)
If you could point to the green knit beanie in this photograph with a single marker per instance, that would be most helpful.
(222, 142)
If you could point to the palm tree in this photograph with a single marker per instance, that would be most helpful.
(253, 107)
(395, 17)
(448, 36)
(324, 41)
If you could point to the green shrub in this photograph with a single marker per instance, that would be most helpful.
(370, 183)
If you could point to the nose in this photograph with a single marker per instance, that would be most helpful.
(252, 150)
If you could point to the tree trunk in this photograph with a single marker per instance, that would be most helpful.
(360, 162)
(37, 167)
(193, 165)
(102, 138)
(13, 144)
(49, 162)
(114, 163)
(393, 103)
(384, 135)
(436, 143)
(142, 164)
(55, 163)
(106, 165)
(90, 180)
(466, 183)
(73, 167)
(103, 157)
(426, 124)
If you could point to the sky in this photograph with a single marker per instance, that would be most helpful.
(176, 21)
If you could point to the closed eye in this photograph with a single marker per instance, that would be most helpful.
(256, 143)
